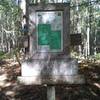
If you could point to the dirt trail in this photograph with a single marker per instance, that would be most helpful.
(11, 90)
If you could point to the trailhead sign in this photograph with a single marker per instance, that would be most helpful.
(50, 62)
(49, 29)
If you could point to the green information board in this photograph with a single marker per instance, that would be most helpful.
(43, 34)
(48, 37)
(49, 29)
(55, 40)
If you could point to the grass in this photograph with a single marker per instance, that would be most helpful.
(5, 55)
(2, 54)
(97, 56)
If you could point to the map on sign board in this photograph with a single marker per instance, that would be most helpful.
(49, 29)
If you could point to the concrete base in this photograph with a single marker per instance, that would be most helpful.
(49, 71)
(36, 80)
(46, 67)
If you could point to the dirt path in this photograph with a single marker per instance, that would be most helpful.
(11, 90)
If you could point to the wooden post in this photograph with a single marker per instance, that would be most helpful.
(51, 93)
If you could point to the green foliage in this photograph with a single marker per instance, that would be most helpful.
(5, 55)
(1, 54)
(10, 18)
(98, 23)
(97, 56)
(10, 12)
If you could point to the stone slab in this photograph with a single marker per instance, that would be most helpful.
(36, 80)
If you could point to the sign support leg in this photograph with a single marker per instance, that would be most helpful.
(51, 93)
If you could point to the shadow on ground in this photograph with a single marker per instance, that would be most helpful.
(11, 90)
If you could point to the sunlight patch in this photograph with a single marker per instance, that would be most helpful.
(7, 84)
(11, 93)
(98, 85)
(3, 77)
(2, 83)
